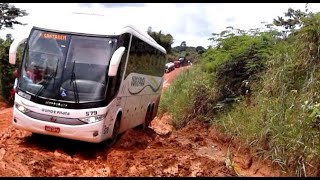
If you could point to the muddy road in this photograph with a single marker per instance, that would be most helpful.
(196, 150)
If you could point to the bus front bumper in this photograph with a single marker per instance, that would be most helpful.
(88, 132)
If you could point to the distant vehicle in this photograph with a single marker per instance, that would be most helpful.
(169, 67)
(176, 64)
(183, 61)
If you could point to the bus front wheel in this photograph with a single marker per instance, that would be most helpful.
(115, 134)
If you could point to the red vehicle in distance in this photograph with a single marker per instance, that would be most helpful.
(176, 64)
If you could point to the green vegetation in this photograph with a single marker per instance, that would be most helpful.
(182, 96)
(9, 13)
(165, 40)
(188, 52)
(261, 87)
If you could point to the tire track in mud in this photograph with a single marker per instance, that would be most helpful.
(195, 150)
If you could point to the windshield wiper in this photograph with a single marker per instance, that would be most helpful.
(47, 80)
(73, 80)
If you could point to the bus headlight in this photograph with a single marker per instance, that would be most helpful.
(22, 108)
(92, 119)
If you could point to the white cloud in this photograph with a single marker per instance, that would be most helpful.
(192, 23)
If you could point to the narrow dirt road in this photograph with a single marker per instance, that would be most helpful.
(196, 150)
(169, 77)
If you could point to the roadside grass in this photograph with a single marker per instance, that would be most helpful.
(179, 99)
(280, 116)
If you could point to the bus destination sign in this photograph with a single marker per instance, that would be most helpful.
(54, 36)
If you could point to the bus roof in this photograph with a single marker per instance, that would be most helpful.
(94, 30)
(143, 36)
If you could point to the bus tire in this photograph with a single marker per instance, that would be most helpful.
(148, 118)
(115, 133)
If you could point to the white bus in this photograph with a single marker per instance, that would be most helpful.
(87, 87)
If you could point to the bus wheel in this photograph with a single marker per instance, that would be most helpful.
(147, 119)
(116, 129)
(115, 134)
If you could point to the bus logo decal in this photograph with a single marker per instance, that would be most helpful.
(53, 119)
(137, 81)
(55, 112)
(64, 93)
(152, 88)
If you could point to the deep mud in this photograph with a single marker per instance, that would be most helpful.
(195, 150)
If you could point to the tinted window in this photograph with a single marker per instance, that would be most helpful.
(87, 62)
(66, 67)
(43, 61)
(145, 59)
(91, 50)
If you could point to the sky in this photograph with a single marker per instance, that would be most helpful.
(190, 22)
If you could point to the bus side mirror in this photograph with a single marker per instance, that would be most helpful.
(115, 61)
(13, 49)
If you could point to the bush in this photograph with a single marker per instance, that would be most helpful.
(7, 71)
(280, 116)
(283, 122)
(182, 95)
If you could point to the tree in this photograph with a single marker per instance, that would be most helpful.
(231, 32)
(165, 40)
(8, 15)
(149, 30)
(200, 49)
(294, 19)
(183, 46)
(8, 37)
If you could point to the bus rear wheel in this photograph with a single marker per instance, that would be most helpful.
(147, 119)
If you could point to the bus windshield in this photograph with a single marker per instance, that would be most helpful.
(66, 67)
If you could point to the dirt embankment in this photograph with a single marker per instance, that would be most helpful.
(196, 150)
